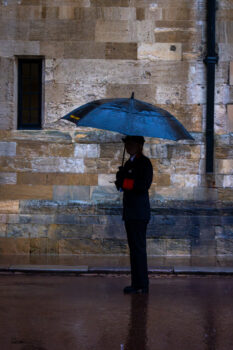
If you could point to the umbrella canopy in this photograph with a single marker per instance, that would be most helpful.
(130, 117)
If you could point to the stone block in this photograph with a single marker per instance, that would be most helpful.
(115, 31)
(8, 48)
(230, 117)
(3, 218)
(39, 149)
(145, 31)
(66, 12)
(224, 166)
(205, 194)
(14, 246)
(3, 230)
(8, 178)
(144, 92)
(227, 181)
(109, 3)
(13, 192)
(38, 246)
(109, 231)
(87, 150)
(156, 247)
(27, 230)
(121, 51)
(160, 51)
(93, 246)
(231, 73)
(106, 179)
(178, 247)
(60, 231)
(57, 179)
(162, 180)
(56, 165)
(50, 49)
(178, 14)
(66, 193)
(54, 30)
(224, 32)
(225, 194)
(7, 149)
(105, 194)
(84, 49)
(116, 13)
(171, 36)
(111, 150)
(14, 164)
(8, 207)
(140, 14)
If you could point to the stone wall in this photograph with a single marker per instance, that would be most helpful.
(56, 185)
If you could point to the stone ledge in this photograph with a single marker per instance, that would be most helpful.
(176, 270)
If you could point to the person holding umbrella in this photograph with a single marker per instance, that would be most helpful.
(134, 179)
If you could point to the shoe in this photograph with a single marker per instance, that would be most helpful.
(133, 290)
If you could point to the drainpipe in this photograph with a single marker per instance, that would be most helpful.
(210, 60)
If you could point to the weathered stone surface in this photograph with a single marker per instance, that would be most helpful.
(224, 166)
(14, 246)
(224, 31)
(13, 192)
(156, 247)
(115, 31)
(178, 14)
(121, 51)
(3, 230)
(116, 231)
(224, 246)
(230, 118)
(105, 194)
(160, 51)
(57, 179)
(93, 246)
(7, 178)
(81, 193)
(44, 149)
(27, 230)
(8, 48)
(7, 149)
(84, 50)
(115, 13)
(87, 151)
(231, 72)
(72, 30)
(106, 179)
(50, 136)
(56, 164)
(9, 206)
(225, 194)
(178, 247)
(70, 231)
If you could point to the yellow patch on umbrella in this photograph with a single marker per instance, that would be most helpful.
(74, 117)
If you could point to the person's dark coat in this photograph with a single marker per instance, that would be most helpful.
(135, 179)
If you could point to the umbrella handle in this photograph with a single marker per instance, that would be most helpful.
(123, 157)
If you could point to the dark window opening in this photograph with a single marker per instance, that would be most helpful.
(29, 93)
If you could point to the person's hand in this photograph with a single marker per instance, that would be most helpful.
(120, 177)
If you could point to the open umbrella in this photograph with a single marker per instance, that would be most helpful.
(130, 117)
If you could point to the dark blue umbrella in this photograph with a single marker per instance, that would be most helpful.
(130, 117)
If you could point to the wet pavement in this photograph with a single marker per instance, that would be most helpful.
(47, 312)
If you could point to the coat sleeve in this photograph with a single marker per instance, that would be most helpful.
(144, 177)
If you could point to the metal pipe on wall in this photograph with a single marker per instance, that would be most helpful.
(210, 60)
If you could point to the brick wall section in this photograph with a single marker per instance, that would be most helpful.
(101, 49)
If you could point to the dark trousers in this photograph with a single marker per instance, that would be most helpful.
(136, 235)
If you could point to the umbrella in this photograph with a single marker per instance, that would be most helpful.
(129, 116)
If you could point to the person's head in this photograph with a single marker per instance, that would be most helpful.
(133, 144)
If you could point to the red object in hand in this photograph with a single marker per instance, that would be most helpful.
(128, 184)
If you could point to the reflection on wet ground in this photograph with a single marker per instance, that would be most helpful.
(47, 312)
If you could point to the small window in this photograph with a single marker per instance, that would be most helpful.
(29, 93)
